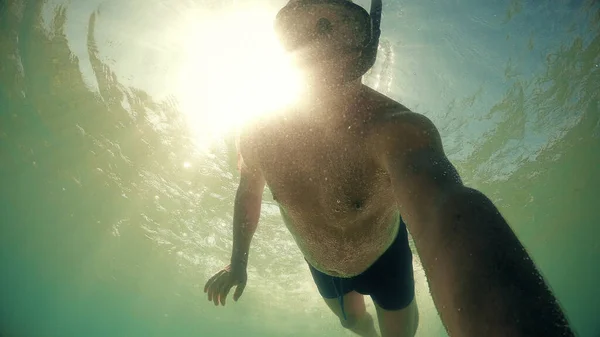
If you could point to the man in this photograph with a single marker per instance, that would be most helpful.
(351, 170)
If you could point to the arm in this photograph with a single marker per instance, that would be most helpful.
(481, 278)
(246, 212)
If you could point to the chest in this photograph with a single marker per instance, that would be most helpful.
(310, 169)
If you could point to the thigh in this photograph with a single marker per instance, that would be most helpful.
(330, 287)
(339, 295)
(398, 323)
(390, 280)
(353, 307)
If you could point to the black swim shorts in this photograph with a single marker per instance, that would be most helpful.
(389, 281)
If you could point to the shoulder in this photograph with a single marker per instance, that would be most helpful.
(408, 125)
(409, 143)
(396, 128)
(252, 140)
(393, 120)
(402, 139)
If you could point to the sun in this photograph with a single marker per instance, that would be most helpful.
(234, 69)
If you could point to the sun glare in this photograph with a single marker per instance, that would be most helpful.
(234, 71)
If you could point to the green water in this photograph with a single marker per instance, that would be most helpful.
(106, 231)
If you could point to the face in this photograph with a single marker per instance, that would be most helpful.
(323, 39)
(316, 61)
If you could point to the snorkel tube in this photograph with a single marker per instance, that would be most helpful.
(369, 52)
(295, 32)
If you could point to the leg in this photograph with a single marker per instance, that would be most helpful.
(398, 323)
(336, 291)
(390, 283)
(357, 320)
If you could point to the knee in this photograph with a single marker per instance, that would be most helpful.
(349, 322)
(356, 321)
(415, 323)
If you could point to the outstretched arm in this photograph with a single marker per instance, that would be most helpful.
(482, 280)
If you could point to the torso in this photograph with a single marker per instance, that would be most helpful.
(334, 196)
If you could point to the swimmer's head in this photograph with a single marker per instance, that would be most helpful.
(325, 37)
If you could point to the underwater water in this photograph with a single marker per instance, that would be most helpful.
(118, 169)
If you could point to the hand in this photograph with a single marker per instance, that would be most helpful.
(221, 283)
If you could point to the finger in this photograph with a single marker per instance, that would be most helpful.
(217, 293)
(214, 286)
(211, 280)
(224, 293)
(213, 291)
(207, 284)
(238, 291)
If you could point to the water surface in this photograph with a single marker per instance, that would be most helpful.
(118, 172)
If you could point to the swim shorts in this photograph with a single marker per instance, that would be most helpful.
(389, 281)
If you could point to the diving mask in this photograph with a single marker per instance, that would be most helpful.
(335, 26)
(305, 21)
